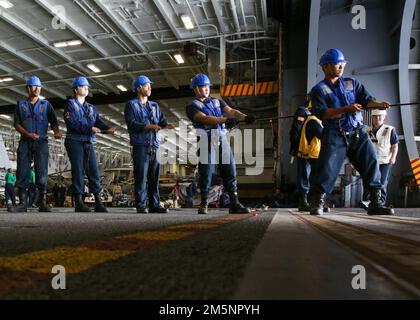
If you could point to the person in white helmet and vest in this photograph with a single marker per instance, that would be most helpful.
(385, 140)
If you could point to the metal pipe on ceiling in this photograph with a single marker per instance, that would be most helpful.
(194, 17)
(235, 17)
(101, 59)
(251, 39)
(212, 37)
(241, 6)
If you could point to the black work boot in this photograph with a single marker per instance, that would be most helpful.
(142, 210)
(317, 204)
(79, 206)
(23, 203)
(376, 206)
(203, 209)
(158, 210)
(303, 205)
(235, 206)
(99, 206)
(43, 207)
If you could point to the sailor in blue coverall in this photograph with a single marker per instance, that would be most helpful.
(32, 117)
(83, 123)
(144, 120)
(209, 114)
(338, 101)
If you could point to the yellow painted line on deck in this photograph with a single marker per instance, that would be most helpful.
(158, 235)
(195, 226)
(81, 258)
(75, 259)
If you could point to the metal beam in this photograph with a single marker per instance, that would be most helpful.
(10, 19)
(219, 14)
(28, 59)
(45, 87)
(404, 79)
(164, 12)
(375, 69)
(79, 32)
(313, 44)
(7, 99)
(117, 21)
(264, 14)
(235, 16)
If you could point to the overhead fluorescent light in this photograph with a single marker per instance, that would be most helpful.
(178, 57)
(63, 44)
(94, 68)
(187, 22)
(8, 79)
(74, 42)
(60, 44)
(5, 116)
(121, 88)
(6, 4)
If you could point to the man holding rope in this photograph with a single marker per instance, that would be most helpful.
(338, 101)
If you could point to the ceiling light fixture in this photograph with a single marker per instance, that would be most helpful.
(74, 42)
(187, 22)
(8, 79)
(63, 44)
(6, 4)
(178, 57)
(94, 68)
(122, 88)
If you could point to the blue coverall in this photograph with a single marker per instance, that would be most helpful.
(345, 136)
(35, 119)
(214, 107)
(79, 144)
(145, 149)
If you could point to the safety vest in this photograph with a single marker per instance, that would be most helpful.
(84, 114)
(382, 143)
(309, 150)
(145, 114)
(34, 120)
(210, 107)
(336, 97)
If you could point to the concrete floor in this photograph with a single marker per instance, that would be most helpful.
(273, 254)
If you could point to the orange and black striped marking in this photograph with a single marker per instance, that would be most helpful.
(415, 165)
(237, 90)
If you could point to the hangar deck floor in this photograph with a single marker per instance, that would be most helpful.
(273, 254)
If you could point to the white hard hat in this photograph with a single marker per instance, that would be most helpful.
(377, 112)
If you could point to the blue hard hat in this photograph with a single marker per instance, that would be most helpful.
(332, 56)
(33, 81)
(80, 82)
(200, 80)
(140, 81)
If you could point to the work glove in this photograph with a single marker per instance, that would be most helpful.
(250, 119)
(231, 123)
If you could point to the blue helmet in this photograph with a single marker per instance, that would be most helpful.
(332, 56)
(140, 81)
(33, 81)
(80, 82)
(200, 80)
